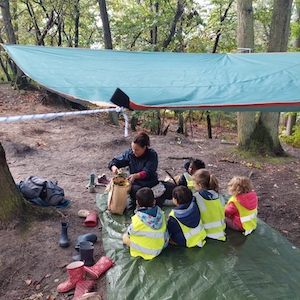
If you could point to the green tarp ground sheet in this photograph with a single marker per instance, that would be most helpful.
(263, 265)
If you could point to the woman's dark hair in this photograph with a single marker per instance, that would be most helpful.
(182, 194)
(145, 197)
(142, 139)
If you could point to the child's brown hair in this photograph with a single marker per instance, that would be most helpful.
(239, 185)
(206, 180)
(145, 197)
(182, 194)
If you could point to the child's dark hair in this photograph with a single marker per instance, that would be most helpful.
(145, 197)
(198, 163)
(182, 194)
(142, 139)
(206, 180)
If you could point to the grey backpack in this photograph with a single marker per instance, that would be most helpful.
(41, 191)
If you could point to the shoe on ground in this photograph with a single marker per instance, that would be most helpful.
(102, 180)
(83, 213)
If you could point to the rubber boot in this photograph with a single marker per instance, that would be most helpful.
(64, 240)
(90, 296)
(86, 250)
(83, 287)
(91, 184)
(86, 244)
(101, 266)
(76, 273)
(88, 237)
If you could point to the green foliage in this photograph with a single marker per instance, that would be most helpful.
(262, 13)
(256, 160)
(294, 139)
(295, 29)
(226, 28)
(155, 120)
(147, 119)
(54, 22)
(141, 22)
(224, 118)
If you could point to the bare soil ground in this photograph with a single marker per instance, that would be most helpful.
(69, 149)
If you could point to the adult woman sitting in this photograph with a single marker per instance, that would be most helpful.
(142, 162)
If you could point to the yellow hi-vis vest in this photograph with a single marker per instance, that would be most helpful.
(212, 216)
(193, 236)
(189, 181)
(248, 217)
(145, 241)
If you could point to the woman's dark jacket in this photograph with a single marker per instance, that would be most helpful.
(148, 162)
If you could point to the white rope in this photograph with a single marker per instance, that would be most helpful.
(126, 124)
(62, 114)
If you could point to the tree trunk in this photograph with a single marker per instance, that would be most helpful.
(264, 139)
(108, 45)
(291, 121)
(178, 14)
(270, 121)
(8, 27)
(14, 208)
(245, 32)
(11, 39)
(297, 20)
(208, 120)
(245, 39)
(105, 24)
(219, 31)
(154, 31)
(76, 23)
(280, 26)
(279, 34)
(9, 30)
(246, 125)
(12, 204)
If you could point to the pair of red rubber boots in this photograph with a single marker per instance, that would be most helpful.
(77, 272)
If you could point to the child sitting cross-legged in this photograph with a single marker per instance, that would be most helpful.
(211, 204)
(184, 222)
(147, 235)
(241, 209)
(190, 167)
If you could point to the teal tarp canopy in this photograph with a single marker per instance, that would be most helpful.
(263, 265)
(262, 81)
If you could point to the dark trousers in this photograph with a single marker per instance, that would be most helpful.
(159, 201)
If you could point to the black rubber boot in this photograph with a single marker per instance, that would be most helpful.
(64, 240)
(88, 237)
(86, 250)
(82, 245)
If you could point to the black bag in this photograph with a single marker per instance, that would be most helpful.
(41, 191)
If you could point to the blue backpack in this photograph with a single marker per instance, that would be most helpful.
(43, 192)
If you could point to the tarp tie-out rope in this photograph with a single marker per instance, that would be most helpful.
(63, 114)
(126, 124)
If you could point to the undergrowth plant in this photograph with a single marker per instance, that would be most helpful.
(294, 139)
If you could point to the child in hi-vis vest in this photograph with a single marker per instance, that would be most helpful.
(184, 222)
(190, 168)
(211, 204)
(147, 234)
(241, 209)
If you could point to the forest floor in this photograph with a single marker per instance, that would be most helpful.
(69, 149)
